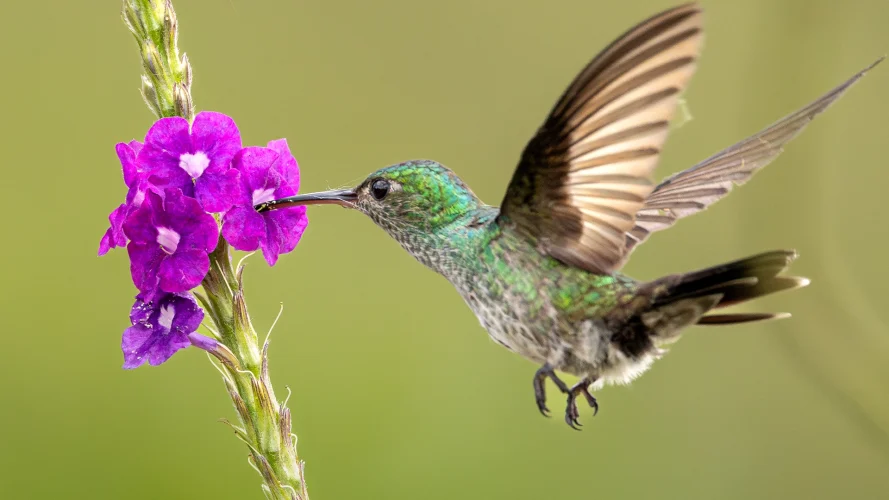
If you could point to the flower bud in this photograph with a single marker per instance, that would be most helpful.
(182, 102)
(149, 93)
(170, 32)
(132, 18)
(186, 72)
(151, 60)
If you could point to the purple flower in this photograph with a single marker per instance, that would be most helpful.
(114, 236)
(134, 179)
(160, 328)
(170, 239)
(266, 174)
(195, 160)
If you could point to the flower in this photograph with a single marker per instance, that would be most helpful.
(170, 239)
(196, 160)
(134, 179)
(114, 236)
(266, 174)
(160, 328)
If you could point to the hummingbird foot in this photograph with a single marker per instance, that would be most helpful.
(546, 371)
(571, 411)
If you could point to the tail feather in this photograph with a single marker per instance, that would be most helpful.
(733, 319)
(733, 283)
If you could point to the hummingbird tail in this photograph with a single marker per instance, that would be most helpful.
(736, 282)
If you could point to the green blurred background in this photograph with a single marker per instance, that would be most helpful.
(398, 393)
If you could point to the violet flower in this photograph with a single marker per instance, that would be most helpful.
(195, 159)
(134, 179)
(266, 174)
(184, 172)
(171, 238)
(160, 328)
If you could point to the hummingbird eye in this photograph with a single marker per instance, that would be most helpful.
(379, 189)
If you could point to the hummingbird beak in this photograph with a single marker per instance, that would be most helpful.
(343, 197)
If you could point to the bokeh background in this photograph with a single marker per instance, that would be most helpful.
(398, 393)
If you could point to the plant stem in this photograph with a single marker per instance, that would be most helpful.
(263, 423)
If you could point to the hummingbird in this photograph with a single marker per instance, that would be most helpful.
(542, 271)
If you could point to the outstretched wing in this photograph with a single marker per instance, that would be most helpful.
(693, 190)
(587, 172)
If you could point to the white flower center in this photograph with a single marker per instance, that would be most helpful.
(166, 316)
(139, 198)
(194, 164)
(168, 239)
(263, 195)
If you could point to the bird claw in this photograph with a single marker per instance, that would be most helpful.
(541, 405)
(540, 388)
(572, 414)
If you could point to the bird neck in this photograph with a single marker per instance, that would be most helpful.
(451, 249)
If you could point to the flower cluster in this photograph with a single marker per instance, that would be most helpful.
(181, 182)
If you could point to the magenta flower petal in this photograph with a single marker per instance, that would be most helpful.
(169, 242)
(196, 160)
(139, 225)
(217, 135)
(165, 141)
(284, 229)
(159, 328)
(183, 270)
(145, 260)
(266, 174)
(127, 156)
(114, 236)
(217, 191)
(183, 215)
(133, 178)
(288, 167)
(243, 228)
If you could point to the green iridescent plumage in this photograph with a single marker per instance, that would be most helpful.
(541, 272)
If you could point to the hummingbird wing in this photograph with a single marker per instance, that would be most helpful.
(693, 190)
(587, 172)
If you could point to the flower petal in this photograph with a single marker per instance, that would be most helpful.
(142, 309)
(114, 236)
(164, 349)
(145, 261)
(136, 342)
(160, 328)
(217, 192)
(183, 270)
(136, 146)
(188, 314)
(218, 137)
(165, 177)
(139, 225)
(165, 142)
(284, 228)
(254, 164)
(243, 228)
(136, 193)
(287, 167)
(197, 229)
(127, 156)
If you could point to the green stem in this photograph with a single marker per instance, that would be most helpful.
(264, 423)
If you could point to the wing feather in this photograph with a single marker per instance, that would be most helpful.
(587, 172)
(693, 190)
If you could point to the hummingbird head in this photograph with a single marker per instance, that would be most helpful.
(413, 197)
